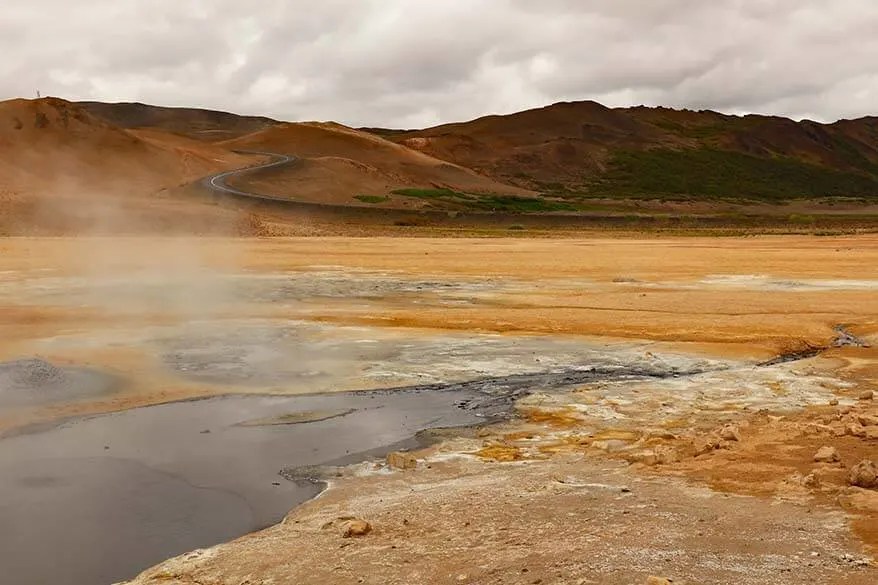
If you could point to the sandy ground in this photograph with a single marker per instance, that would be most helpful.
(486, 509)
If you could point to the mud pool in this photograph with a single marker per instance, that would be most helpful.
(108, 496)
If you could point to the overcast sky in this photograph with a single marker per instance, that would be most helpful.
(412, 63)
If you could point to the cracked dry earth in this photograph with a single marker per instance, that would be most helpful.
(609, 482)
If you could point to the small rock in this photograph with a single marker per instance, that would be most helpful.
(646, 457)
(400, 460)
(667, 455)
(833, 402)
(827, 455)
(864, 474)
(730, 433)
(705, 446)
(858, 499)
(867, 420)
(811, 481)
(354, 528)
(658, 581)
(868, 395)
(838, 429)
(855, 430)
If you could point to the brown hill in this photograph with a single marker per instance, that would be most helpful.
(340, 163)
(584, 149)
(61, 162)
(206, 125)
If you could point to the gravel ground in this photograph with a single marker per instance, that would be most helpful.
(34, 381)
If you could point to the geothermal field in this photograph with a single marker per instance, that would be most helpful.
(513, 410)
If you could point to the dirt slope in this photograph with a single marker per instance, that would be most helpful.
(62, 166)
(206, 125)
(583, 149)
(340, 163)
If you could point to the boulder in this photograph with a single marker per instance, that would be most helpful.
(864, 474)
(867, 395)
(827, 455)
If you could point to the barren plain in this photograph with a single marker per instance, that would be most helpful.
(650, 433)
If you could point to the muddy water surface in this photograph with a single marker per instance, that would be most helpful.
(106, 497)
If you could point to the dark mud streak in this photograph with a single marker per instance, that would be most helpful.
(494, 400)
(844, 339)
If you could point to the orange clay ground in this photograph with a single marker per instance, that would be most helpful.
(605, 484)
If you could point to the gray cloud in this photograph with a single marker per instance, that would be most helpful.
(408, 63)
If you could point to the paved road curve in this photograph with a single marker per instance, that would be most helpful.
(219, 181)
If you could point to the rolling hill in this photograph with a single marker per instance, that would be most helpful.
(206, 125)
(585, 150)
(60, 165)
(344, 166)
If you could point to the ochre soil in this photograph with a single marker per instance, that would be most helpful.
(487, 516)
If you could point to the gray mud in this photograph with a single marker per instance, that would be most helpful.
(30, 382)
(108, 496)
(302, 357)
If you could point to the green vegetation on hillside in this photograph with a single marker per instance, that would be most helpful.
(371, 198)
(433, 194)
(476, 202)
(722, 174)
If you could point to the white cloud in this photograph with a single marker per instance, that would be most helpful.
(415, 62)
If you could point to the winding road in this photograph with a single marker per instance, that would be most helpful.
(377, 215)
(219, 181)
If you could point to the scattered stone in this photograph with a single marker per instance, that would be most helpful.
(705, 446)
(658, 581)
(868, 395)
(859, 500)
(355, 528)
(811, 481)
(646, 457)
(855, 430)
(858, 562)
(864, 474)
(666, 455)
(867, 420)
(400, 460)
(730, 433)
(833, 402)
(838, 429)
(827, 455)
